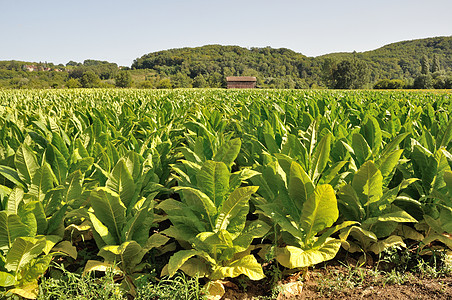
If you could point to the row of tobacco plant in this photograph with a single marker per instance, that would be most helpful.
(216, 182)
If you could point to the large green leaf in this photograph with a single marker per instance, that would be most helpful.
(28, 290)
(300, 186)
(233, 213)
(56, 220)
(397, 216)
(58, 163)
(246, 265)
(446, 240)
(40, 216)
(331, 174)
(58, 142)
(7, 279)
(327, 234)
(364, 237)
(360, 148)
(218, 244)
(156, 240)
(26, 163)
(213, 180)
(22, 251)
(179, 258)
(320, 157)
(368, 183)
(443, 166)
(311, 136)
(387, 163)
(269, 138)
(122, 183)
(67, 248)
(236, 178)
(372, 133)
(183, 217)
(252, 230)
(102, 231)
(12, 175)
(11, 227)
(387, 243)
(445, 136)
(319, 211)
(275, 213)
(228, 152)
(294, 257)
(392, 145)
(200, 202)
(447, 177)
(349, 204)
(295, 149)
(109, 210)
(133, 164)
(73, 189)
(424, 166)
(195, 267)
(42, 182)
(35, 269)
(137, 227)
(129, 254)
(14, 199)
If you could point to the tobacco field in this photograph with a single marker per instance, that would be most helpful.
(216, 184)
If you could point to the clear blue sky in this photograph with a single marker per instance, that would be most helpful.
(120, 31)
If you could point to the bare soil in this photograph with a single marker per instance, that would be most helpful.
(413, 288)
(338, 282)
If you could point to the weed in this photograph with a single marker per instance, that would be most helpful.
(242, 283)
(396, 277)
(68, 285)
(437, 266)
(339, 280)
(274, 274)
(178, 287)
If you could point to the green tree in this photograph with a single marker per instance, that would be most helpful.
(390, 84)
(216, 80)
(89, 79)
(350, 74)
(436, 65)
(165, 83)
(181, 80)
(123, 79)
(199, 82)
(423, 81)
(439, 80)
(425, 65)
(328, 66)
(73, 63)
(147, 84)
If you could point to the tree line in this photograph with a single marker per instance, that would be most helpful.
(425, 63)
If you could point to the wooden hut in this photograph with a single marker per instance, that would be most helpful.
(241, 82)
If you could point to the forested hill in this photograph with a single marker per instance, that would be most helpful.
(402, 60)
(423, 63)
(208, 65)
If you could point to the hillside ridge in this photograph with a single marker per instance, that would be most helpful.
(209, 65)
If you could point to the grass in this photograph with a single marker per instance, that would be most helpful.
(64, 284)
(180, 287)
(68, 285)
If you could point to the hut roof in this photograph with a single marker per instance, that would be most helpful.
(240, 78)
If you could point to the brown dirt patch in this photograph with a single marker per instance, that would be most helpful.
(338, 282)
(413, 288)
